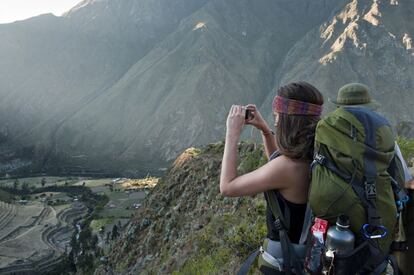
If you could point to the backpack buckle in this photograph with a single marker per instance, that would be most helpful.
(370, 190)
(279, 224)
(320, 159)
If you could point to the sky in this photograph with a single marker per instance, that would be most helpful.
(13, 10)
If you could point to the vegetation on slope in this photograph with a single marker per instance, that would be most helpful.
(186, 227)
(407, 149)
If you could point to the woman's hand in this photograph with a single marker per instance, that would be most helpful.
(256, 119)
(235, 121)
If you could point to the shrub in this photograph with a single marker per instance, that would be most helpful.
(407, 148)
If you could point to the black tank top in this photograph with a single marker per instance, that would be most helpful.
(297, 216)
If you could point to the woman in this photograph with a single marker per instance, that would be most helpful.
(297, 108)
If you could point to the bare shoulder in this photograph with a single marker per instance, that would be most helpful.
(286, 166)
(294, 183)
(290, 172)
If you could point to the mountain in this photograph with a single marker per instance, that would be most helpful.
(185, 225)
(52, 67)
(124, 85)
(366, 41)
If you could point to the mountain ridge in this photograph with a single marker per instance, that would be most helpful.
(136, 82)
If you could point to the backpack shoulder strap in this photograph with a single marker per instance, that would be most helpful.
(282, 224)
(271, 197)
(273, 202)
(283, 220)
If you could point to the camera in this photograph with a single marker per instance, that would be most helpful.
(249, 114)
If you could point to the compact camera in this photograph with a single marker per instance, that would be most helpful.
(249, 114)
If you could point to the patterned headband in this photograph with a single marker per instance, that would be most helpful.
(295, 107)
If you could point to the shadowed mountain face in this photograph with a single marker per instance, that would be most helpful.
(365, 41)
(125, 85)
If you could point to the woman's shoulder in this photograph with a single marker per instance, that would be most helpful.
(290, 170)
(290, 163)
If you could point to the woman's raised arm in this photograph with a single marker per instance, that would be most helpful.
(269, 176)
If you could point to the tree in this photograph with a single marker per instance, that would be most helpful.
(16, 184)
(43, 182)
(85, 237)
(25, 187)
(75, 245)
(108, 236)
(115, 232)
(94, 241)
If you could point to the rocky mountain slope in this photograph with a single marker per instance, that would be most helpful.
(52, 67)
(186, 225)
(123, 86)
(366, 41)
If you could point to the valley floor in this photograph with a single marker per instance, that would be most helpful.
(36, 229)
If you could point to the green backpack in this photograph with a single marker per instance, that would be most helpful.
(354, 173)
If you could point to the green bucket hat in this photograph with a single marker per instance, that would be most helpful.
(355, 94)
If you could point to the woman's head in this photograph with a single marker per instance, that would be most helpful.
(297, 109)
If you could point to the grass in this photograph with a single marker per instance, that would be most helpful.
(227, 240)
(94, 182)
(209, 264)
(6, 197)
(121, 201)
(407, 149)
(98, 223)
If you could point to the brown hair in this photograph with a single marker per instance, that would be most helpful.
(295, 134)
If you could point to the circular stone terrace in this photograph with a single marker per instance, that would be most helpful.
(34, 236)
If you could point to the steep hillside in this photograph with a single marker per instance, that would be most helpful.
(52, 67)
(179, 93)
(366, 41)
(186, 225)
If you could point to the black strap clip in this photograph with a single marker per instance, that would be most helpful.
(320, 159)
(370, 190)
(279, 225)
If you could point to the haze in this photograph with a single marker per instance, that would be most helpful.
(14, 10)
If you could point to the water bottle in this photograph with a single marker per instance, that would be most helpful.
(339, 238)
(313, 260)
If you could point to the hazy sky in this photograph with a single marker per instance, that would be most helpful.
(13, 10)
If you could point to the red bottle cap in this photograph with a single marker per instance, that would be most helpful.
(320, 225)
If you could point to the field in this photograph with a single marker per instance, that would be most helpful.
(4, 196)
(36, 182)
(124, 195)
(34, 232)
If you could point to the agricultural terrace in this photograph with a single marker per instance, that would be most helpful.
(39, 216)
(34, 235)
